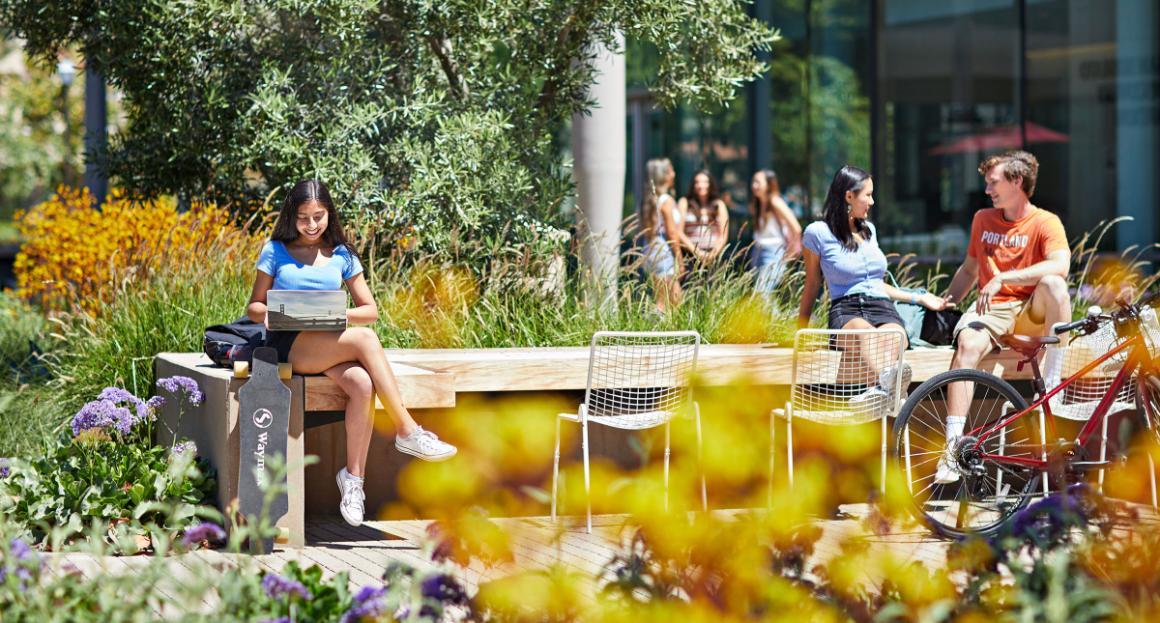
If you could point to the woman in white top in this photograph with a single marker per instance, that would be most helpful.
(777, 234)
(662, 234)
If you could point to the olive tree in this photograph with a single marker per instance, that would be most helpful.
(432, 120)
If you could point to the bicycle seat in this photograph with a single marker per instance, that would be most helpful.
(1028, 345)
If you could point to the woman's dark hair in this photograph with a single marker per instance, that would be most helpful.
(756, 210)
(302, 193)
(714, 194)
(836, 212)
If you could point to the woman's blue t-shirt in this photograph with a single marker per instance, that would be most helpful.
(290, 274)
(848, 272)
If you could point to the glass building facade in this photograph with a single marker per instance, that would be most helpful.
(918, 92)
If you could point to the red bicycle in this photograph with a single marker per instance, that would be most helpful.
(997, 462)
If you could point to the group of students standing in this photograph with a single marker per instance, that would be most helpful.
(678, 235)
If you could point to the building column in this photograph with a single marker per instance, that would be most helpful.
(96, 133)
(1136, 130)
(598, 148)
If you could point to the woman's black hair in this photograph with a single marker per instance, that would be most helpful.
(714, 194)
(836, 212)
(302, 193)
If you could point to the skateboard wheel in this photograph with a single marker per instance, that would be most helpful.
(242, 370)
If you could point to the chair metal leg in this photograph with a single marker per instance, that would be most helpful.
(882, 487)
(999, 472)
(587, 477)
(789, 443)
(1103, 453)
(772, 454)
(1151, 465)
(1152, 480)
(906, 449)
(1043, 440)
(555, 470)
(667, 447)
(700, 463)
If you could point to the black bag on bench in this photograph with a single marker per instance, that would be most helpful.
(236, 341)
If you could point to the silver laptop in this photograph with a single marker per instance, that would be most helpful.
(306, 310)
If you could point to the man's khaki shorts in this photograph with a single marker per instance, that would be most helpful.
(1001, 319)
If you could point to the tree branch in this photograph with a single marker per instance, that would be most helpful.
(441, 47)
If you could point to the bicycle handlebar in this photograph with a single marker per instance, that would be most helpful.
(1091, 323)
(1060, 329)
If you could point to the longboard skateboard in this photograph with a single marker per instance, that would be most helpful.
(264, 425)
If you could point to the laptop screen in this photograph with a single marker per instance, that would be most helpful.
(306, 310)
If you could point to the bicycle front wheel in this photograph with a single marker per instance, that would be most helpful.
(960, 488)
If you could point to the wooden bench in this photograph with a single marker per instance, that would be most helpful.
(431, 379)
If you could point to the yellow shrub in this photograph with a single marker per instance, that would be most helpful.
(76, 258)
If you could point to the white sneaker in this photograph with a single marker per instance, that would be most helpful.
(351, 507)
(425, 445)
(871, 400)
(887, 376)
(948, 470)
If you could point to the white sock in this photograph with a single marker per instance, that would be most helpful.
(349, 476)
(1053, 366)
(955, 425)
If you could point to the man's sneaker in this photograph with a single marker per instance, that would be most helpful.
(887, 377)
(351, 507)
(425, 445)
(948, 471)
(871, 400)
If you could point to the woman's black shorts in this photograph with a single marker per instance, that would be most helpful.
(281, 341)
(874, 310)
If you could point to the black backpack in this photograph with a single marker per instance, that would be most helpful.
(236, 341)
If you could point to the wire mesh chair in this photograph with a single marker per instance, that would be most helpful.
(636, 380)
(842, 377)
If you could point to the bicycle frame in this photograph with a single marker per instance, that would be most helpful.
(1137, 357)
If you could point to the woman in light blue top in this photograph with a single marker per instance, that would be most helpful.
(309, 251)
(843, 249)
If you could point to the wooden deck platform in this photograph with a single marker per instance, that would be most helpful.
(364, 552)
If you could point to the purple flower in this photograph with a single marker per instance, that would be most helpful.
(369, 601)
(443, 588)
(21, 562)
(122, 398)
(178, 385)
(5, 469)
(184, 447)
(276, 586)
(102, 414)
(203, 532)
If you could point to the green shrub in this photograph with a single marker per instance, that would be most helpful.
(107, 469)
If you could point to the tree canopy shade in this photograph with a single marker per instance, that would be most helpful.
(428, 117)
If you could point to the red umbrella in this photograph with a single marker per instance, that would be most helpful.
(1000, 137)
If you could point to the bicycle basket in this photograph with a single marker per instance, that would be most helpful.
(1079, 399)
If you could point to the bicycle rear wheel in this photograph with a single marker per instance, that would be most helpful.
(985, 491)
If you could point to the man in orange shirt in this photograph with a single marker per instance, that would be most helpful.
(1019, 257)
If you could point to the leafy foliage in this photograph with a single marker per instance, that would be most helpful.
(436, 116)
(39, 148)
(109, 475)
